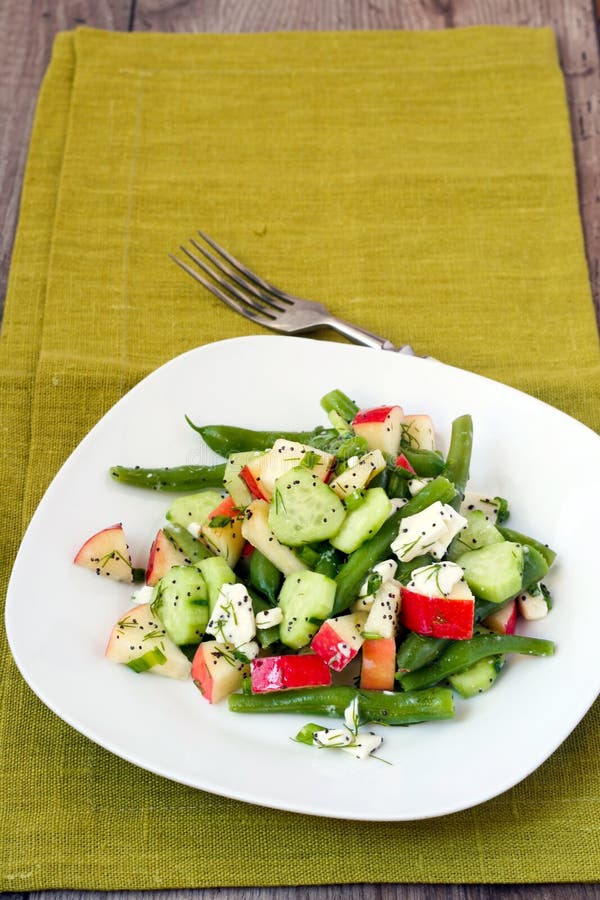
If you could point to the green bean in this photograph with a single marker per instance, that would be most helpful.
(403, 708)
(264, 576)
(426, 463)
(509, 535)
(338, 402)
(417, 651)
(266, 637)
(178, 478)
(354, 571)
(462, 654)
(458, 460)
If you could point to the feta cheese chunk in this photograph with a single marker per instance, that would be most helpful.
(194, 529)
(364, 745)
(268, 617)
(386, 571)
(429, 531)
(417, 484)
(232, 620)
(333, 737)
(143, 594)
(436, 580)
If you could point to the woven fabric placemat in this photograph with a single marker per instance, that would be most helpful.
(422, 185)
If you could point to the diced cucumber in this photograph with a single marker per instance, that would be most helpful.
(181, 603)
(363, 522)
(534, 567)
(479, 532)
(494, 572)
(304, 509)
(184, 541)
(477, 678)
(234, 485)
(216, 573)
(193, 508)
(305, 600)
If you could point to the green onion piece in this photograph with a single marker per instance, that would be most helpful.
(338, 402)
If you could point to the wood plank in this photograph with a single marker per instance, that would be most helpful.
(346, 892)
(28, 28)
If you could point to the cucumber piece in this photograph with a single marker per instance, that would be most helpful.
(305, 600)
(494, 572)
(181, 603)
(234, 485)
(363, 522)
(479, 533)
(477, 678)
(216, 573)
(193, 508)
(534, 567)
(304, 509)
(184, 541)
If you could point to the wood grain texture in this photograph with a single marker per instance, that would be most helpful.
(28, 28)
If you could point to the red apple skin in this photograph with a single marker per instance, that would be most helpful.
(201, 674)
(280, 673)
(226, 508)
(376, 414)
(103, 543)
(252, 485)
(504, 621)
(325, 644)
(403, 463)
(378, 664)
(163, 555)
(441, 617)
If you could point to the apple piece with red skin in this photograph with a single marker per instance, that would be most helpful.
(281, 673)
(338, 640)
(503, 621)
(163, 556)
(216, 671)
(224, 540)
(442, 617)
(252, 484)
(381, 427)
(378, 669)
(107, 553)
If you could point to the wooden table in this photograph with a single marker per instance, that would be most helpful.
(28, 28)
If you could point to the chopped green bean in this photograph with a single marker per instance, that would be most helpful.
(178, 478)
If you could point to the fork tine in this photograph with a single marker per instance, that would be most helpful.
(245, 284)
(266, 285)
(239, 308)
(231, 288)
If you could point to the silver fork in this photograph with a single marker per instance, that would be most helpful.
(260, 301)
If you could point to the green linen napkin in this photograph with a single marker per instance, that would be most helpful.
(421, 184)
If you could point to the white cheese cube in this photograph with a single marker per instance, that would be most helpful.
(232, 620)
(143, 594)
(418, 533)
(194, 529)
(333, 737)
(364, 745)
(417, 484)
(386, 570)
(436, 580)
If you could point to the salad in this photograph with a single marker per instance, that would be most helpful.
(349, 571)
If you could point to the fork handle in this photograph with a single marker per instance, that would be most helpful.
(366, 338)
